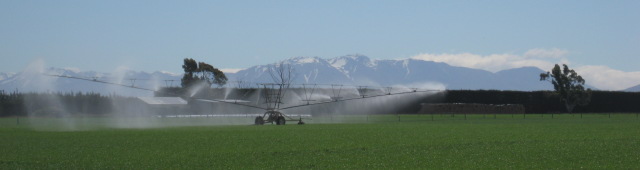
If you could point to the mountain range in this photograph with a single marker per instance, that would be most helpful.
(351, 70)
(360, 70)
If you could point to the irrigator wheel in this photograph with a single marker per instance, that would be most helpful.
(280, 120)
(259, 120)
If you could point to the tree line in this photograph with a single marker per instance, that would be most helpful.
(58, 104)
(545, 101)
(61, 104)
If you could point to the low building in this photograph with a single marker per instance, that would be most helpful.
(163, 105)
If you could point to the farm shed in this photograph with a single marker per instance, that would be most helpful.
(162, 105)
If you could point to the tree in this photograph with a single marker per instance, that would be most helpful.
(201, 72)
(190, 67)
(211, 74)
(569, 85)
(219, 78)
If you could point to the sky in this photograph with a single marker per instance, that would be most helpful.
(600, 39)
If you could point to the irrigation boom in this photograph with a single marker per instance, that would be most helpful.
(273, 94)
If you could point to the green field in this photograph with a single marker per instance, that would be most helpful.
(595, 141)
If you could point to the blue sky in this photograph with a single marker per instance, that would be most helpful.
(157, 35)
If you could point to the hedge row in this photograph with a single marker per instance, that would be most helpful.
(546, 101)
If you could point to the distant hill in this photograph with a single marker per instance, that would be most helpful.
(633, 89)
(352, 70)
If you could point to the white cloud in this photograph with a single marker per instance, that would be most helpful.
(601, 77)
(230, 70)
(496, 62)
(545, 53)
(605, 78)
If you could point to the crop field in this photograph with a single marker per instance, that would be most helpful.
(593, 141)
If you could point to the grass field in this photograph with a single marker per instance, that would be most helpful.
(594, 141)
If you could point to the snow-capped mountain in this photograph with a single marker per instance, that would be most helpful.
(352, 69)
(306, 70)
(6, 75)
(360, 70)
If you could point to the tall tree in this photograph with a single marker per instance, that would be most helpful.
(190, 67)
(569, 85)
(219, 78)
(197, 72)
(211, 74)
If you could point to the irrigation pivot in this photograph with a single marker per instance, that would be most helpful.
(272, 96)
